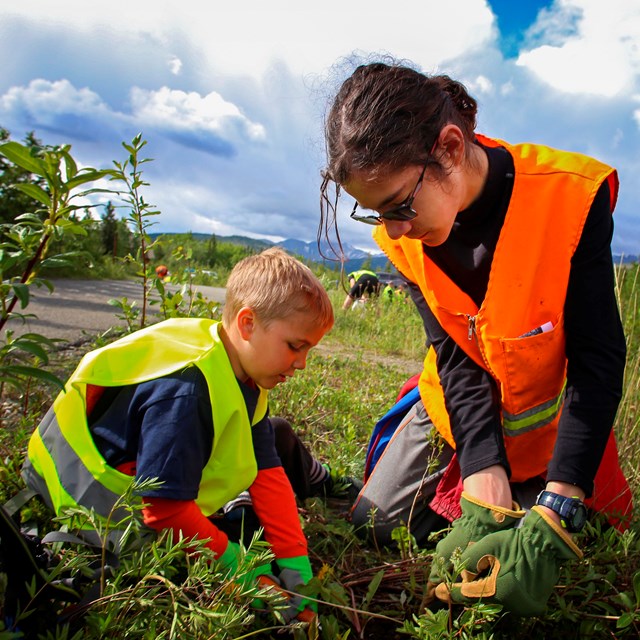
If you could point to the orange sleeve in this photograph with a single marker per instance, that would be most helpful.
(93, 394)
(275, 505)
(183, 516)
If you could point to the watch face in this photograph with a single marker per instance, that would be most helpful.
(578, 518)
(572, 512)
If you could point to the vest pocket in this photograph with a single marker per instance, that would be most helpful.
(534, 371)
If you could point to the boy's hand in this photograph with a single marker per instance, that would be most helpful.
(230, 559)
(296, 608)
(295, 572)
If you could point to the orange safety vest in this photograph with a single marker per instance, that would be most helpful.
(552, 194)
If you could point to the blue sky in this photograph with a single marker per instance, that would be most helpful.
(231, 96)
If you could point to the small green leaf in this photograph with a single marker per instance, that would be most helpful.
(31, 372)
(39, 282)
(624, 621)
(626, 601)
(70, 163)
(636, 587)
(21, 155)
(29, 217)
(55, 262)
(33, 348)
(37, 337)
(22, 293)
(373, 586)
(90, 175)
(35, 192)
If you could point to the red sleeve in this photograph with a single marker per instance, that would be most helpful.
(183, 516)
(275, 505)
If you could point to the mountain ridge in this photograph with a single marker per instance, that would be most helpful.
(354, 257)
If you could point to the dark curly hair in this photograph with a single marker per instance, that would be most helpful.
(386, 117)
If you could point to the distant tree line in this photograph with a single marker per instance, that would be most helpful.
(108, 247)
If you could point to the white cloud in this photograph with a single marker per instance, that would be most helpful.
(189, 111)
(175, 65)
(208, 123)
(481, 84)
(247, 37)
(587, 46)
(59, 107)
(507, 89)
(44, 100)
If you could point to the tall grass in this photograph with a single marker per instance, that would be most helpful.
(627, 426)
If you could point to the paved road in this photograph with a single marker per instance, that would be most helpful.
(79, 309)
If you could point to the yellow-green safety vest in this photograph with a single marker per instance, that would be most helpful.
(356, 275)
(63, 463)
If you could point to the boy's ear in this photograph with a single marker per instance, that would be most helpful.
(245, 321)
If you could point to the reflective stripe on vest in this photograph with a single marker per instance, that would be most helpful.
(76, 485)
(63, 462)
(527, 288)
(516, 424)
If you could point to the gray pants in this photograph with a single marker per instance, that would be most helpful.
(404, 481)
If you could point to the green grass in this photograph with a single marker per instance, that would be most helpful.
(351, 379)
(379, 329)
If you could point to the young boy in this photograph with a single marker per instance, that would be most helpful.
(185, 401)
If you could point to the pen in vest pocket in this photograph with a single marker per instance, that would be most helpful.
(543, 328)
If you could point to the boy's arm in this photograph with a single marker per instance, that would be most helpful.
(275, 505)
(273, 498)
(185, 518)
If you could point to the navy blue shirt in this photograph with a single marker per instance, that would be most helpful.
(166, 426)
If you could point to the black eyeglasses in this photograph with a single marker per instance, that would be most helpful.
(403, 212)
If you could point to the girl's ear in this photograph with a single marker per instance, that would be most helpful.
(451, 144)
(245, 321)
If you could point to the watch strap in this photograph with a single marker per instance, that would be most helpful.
(564, 506)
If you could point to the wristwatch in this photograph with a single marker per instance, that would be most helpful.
(572, 512)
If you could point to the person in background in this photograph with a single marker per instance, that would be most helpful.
(363, 284)
(185, 401)
(400, 293)
(388, 293)
(509, 246)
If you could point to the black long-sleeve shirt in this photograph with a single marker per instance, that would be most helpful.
(595, 343)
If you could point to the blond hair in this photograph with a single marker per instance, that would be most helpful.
(275, 285)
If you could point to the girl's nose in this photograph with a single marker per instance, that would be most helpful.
(397, 228)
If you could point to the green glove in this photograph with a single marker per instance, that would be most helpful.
(295, 572)
(517, 568)
(231, 558)
(478, 520)
(292, 607)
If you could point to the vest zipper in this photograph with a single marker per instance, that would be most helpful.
(472, 326)
(473, 333)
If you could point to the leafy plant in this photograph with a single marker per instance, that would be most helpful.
(24, 249)
(140, 214)
(155, 587)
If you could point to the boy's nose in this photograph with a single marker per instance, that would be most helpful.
(300, 362)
